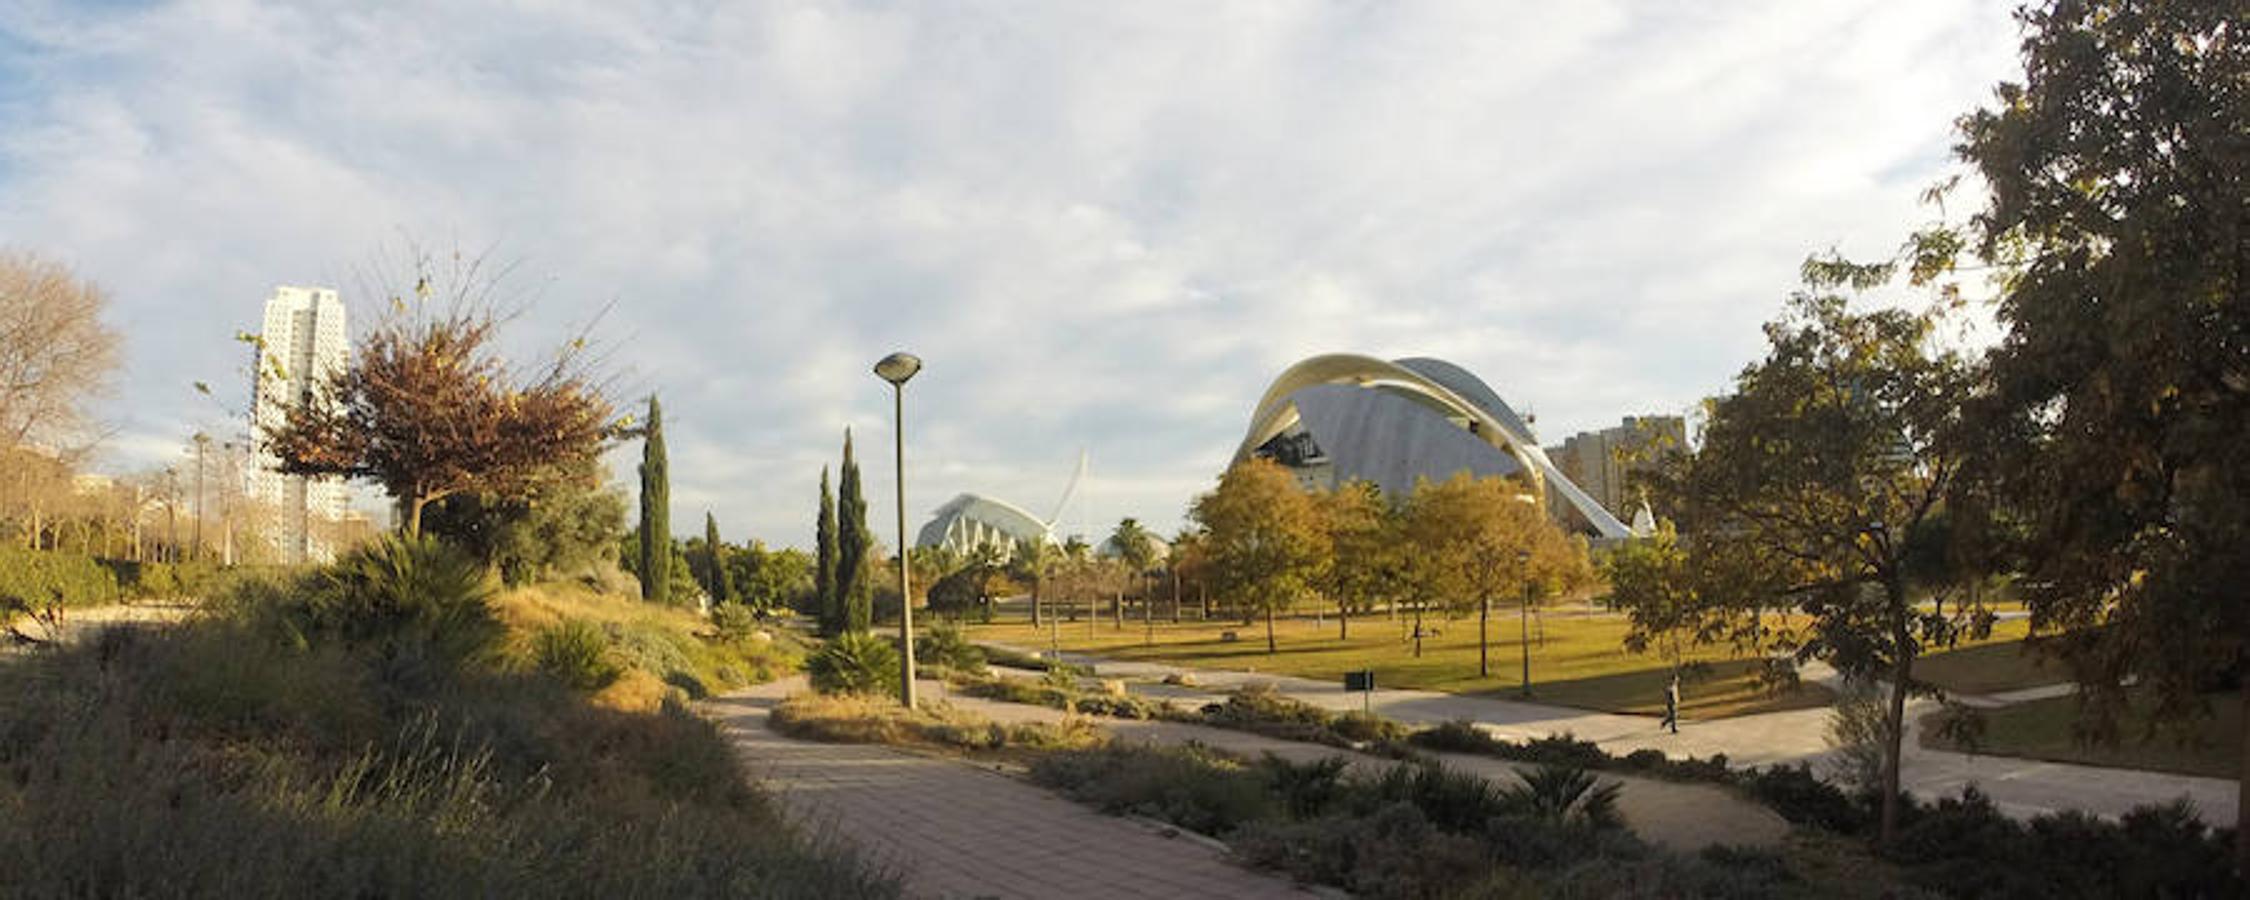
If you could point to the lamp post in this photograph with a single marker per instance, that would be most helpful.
(1523, 618)
(896, 369)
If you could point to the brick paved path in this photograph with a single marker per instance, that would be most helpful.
(956, 830)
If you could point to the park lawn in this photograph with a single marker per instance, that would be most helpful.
(2003, 663)
(1580, 661)
(2042, 729)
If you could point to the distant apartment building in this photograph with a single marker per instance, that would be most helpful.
(1603, 462)
(303, 345)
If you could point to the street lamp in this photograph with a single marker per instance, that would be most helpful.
(1523, 618)
(896, 369)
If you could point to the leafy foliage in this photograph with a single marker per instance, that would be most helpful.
(420, 607)
(1263, 537)
(428, 409)
(656, 554)
(576, 654)
(854, 662)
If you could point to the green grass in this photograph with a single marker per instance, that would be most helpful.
(1990, 668)
(2044, 729)
(1581, 662)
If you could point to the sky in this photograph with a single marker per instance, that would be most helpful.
(1104, 226)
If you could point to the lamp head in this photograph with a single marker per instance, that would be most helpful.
(898, 367)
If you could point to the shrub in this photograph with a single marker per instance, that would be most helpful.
(854, 663)
(944, 647)
(735, 621)
(1566, 795)
(1801, 797)
(420, 607)
(1190, 786)
(575, 653)
(35, 581)
(1856, 727)
(1392, 852)
(1362, 727)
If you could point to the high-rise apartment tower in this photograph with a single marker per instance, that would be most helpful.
(303, 345)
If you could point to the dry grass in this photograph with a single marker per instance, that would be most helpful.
(667, 651)
(854, 719)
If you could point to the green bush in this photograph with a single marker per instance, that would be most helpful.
(575, 653)
(944, 647)
(1393, 852)
(735, 621)
(32, 581)
(420, 607)
(854, 663)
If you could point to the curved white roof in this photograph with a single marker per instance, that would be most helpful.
(969, 520)
(1373, 419)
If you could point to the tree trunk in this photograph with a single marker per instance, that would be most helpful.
(413, 521)
(1270, 647)
(1117, 610)
(1484, 615)
(1417, 630)
(1894, 739)
(1343, 621)
(1035, 604)
(1175, 596)
(1148, 616)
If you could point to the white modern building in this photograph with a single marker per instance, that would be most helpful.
(1343, 416)
(302, 346)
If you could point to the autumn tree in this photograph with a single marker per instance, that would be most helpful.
(656, 509)
(55, 352)
(1830, 463)
(428, 409)
(1263, 539)
(1478, 540)
(1363, 532)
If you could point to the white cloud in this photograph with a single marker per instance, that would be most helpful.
(1104, 225)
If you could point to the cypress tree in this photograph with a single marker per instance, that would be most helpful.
(656, 510)
(852, 543)
(715, 581)
(826, 605)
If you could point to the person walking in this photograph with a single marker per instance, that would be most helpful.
(1672, 704)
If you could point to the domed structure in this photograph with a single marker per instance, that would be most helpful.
(1339, 417)
(969, 521)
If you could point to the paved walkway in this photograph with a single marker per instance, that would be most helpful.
(2020, 787)
(1671, 814)
(952, 829)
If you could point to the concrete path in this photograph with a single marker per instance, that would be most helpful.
(2021, 787)
(952, 829)
(1675, 815)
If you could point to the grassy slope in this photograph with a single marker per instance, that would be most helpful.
(221, 758)
(2043, 729)
(660, 644)
(1581, 663)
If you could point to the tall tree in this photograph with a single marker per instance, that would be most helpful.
(828, 602)
(1830, 465)
(1033, 561)
(55, 353)
(1135, 548)
(1478, 540)
(428, 409)
(1264, 540)
(715, 576)
(2119, 215)
(853, 541)
(1363, 549)
(656, 509)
